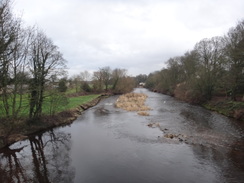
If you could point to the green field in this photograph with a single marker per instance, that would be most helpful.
(74, 102)
(50, 107)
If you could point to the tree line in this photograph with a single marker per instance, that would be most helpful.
(215, 66)
(28, 58)
(33, 71)
(31, 65)
(105, 79)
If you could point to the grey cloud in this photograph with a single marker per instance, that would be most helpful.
(132, 34)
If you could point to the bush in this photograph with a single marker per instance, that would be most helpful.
(56, 101)
(62, 85)
(124, 85)
(185, 92)
(86, 87)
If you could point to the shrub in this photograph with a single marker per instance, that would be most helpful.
(62, 85)
(86, 87)
(186, 93)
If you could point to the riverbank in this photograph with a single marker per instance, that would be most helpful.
(229, 108)
(221, 105)
(17, 130)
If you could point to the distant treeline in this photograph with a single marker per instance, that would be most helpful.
(104, 79)
(214, 67)
(33, 72)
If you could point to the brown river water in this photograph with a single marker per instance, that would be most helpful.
(110, 145)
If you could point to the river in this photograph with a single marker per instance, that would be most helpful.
(106, 145)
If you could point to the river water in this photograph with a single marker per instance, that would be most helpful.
(106, 144)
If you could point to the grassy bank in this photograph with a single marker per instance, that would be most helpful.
(73, 102)
(15, 130)
(50, 106)
(233, 109)
(220, 104)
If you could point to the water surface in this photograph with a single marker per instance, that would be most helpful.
(107, 144)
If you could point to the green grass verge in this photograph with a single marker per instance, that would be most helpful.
(71, 91)
(71, 102)
(226, 108)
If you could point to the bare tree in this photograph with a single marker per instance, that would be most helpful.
(189, 65)
(18, 70)
(121, 83)
(97, 81)
(117, 74)
(44, 61)
(76, 81)
(124, 85)
(106, 76)
(9, 28)
(210, 58)
(141, 78)
(85, 76)
(234, 46)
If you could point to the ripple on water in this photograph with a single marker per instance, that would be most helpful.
(107, 144)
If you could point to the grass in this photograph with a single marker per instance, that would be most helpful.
(226, 107)
(71, 91)
(76, 101)
(13, 130)
(72, 102)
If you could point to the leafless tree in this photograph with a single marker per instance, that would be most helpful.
(234, 46)
(117, 74)
(44, 60)
(106, 76)
(97, 81)
(85, 76)
(9, 30)
(210, 58)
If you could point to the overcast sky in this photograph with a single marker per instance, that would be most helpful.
(137, 35)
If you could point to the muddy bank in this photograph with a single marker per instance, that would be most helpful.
(13, 131)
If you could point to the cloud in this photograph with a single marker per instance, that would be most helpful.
(131, 34)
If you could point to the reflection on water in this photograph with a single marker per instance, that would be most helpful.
(43, 158)
(107, 144)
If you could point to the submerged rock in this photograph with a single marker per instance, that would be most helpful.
(171, 136)
(143, 113)
(102, 111)
(153, 125)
